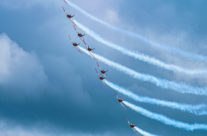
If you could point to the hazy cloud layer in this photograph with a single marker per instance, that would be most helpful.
(20, 70)
(48, 88)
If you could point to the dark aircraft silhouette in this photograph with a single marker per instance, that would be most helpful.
(101, 78)
(103, 71)
(76, 44)
(69, 16)
(80, 35)
(131, 125)
(120, 100)
(90, 49)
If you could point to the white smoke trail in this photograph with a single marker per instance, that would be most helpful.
(194, 109)
(137, 55)
(165, 120)
(172, 50)
(142, 132)
(179, 87)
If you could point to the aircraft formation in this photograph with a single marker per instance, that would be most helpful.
(197, 110)
(101, 73)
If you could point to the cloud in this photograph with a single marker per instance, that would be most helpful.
(112, 16)
(61, 100)
(12, 129)
(20, 70)
(11, 4)
(72, 77)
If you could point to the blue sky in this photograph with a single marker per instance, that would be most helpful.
(47, 88)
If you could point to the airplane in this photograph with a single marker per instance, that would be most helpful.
(90, 49)
(80, 35)
(103, 71)
(102, 78)
(76, 44)
(120, 100)
(131, 125)
(69, 16)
